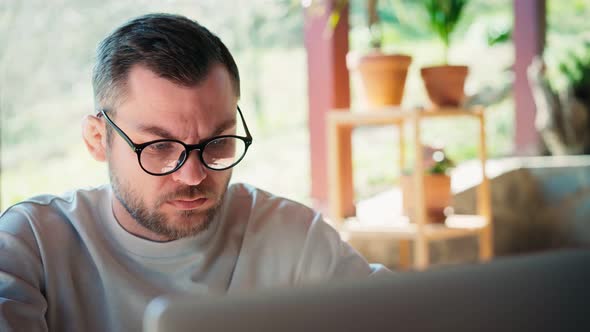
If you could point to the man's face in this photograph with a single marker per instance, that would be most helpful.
(182, 203)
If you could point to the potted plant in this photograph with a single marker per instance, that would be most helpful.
(437, 186)
(383, 75)
(445, 83)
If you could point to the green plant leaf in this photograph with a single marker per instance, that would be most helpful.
(443, 18)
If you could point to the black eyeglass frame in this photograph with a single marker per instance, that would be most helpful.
(138, 148)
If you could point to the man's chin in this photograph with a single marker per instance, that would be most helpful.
(187, 223)
(177, 221)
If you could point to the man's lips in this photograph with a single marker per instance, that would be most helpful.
(188, 203)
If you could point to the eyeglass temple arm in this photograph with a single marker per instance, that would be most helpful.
(117, 129)
(245, 125)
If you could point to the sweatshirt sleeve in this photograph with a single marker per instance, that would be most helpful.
(325, 256)
(22, 303)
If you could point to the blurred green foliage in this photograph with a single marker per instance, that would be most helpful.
(568, 28)
(576, 69)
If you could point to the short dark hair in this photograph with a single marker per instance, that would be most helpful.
(172, 46)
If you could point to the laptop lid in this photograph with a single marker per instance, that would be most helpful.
(547, 292)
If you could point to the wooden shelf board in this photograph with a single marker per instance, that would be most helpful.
(447, 111)
(392, 115)
(454, 226)
(381, 117)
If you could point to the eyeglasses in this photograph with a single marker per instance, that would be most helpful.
(165, 156)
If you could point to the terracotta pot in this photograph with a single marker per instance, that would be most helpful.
(383, 77)
(445, 84)
(437, 196)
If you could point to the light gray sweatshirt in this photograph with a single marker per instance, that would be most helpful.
(67, 265)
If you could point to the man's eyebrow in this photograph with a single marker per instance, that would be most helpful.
(224, 126)
(156, 131)
(161, 132)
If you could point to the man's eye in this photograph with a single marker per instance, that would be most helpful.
(219, 143)
(161, 147)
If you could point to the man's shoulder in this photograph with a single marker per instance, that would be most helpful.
(261, 202)
(293, 240)
(45, 209)
(69, 198)
(268, 214)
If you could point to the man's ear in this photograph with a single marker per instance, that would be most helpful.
(94, 134)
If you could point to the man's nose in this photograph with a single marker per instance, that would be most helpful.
(192, 171)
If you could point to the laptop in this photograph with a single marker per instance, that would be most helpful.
(543, 292)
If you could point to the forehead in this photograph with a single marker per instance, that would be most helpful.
(153, 98)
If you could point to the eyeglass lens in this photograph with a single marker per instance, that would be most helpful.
(165, 156)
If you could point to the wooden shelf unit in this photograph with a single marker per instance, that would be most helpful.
(340, 124)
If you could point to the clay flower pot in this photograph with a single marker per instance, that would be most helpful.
(437, 196)
(445, 84)
(383, 77)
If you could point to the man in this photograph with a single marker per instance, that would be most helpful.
(166, 122)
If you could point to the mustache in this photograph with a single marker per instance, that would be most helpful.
(187, 192)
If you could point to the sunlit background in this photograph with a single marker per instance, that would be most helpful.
(46, 55)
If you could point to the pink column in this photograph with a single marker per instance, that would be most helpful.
(328, 88)
(529, 41)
